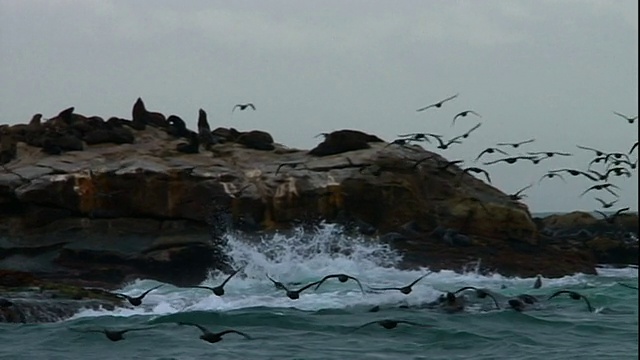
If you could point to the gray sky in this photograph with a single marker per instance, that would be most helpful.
(553, 70)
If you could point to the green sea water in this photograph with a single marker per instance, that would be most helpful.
(323, 324)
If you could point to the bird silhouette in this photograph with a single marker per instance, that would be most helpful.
(405, 289)
(605, 186)
(612, 218)
(439, 103)
(490, 150)
(518, 194)
(389, 324)
(136, 300)
(480, 293)
(477, 171)
(444, 146)
(510, 160)
(633, 147)
(630, 119)
(574, 172)
(113, 335)
(598, 152)
(464, 114)
(243, 107)
(211, 337)
(342, 278)
(516, 145)
(218, 290)
(552, 175)
(607, 205)
(574, 295)
(466, 135)
(549, 153)
(292, 294)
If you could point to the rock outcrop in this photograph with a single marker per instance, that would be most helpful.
(106, 213)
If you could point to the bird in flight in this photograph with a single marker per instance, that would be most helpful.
(574, 295)
(389, 324)
(516, 145)
(551, 175)
(243, 107)
(405, 289)
(490, 150)
(604, 186)
(518, 194)
(137, 300)
(113, 335)
(607, 205)
(630, 119)
(342, 278)
(218, 290)
(612, 218)
(210, 337)
(463, 114)
(477, 171)
(439, 103)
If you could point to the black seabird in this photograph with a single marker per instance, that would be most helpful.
(405, 289)
(574, 295)
(439, 103)
(113, 335)
(218, 290)
(210, 337)
(137, 300)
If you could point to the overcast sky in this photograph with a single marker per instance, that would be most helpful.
(550, 70)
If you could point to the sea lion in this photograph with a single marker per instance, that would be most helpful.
(142, 117)
(204, 131)
(177, 127)
(192, 147)
(256, 139)
(342, 141)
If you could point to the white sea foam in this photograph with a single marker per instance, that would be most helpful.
(303, 258)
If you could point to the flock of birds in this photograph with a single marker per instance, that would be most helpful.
(449, 302)
(613, 164)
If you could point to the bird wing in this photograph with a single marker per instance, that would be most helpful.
(324, 279)
(234, 108)
(308, 286)
(621, 115)
(134, 329)
(251, 106)
(230, 276)
(277, 283)
(620, 211)
(426, 107)
(481, 153)
(449, 98)
(202, 328)
(411, 323)
(234, 332)
(561, 292)
(367, 324)
(357, 281)
(523, 189)
(474, 113)
(465, 288)
(633, 147)
(383, 289)
(148, 291)
(418, 279)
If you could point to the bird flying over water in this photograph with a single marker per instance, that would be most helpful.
(113, 335)
(210, 337)
(342, 278)
(218, 290)
(574, 295)
(136, 300)
(405, 289)
(389, 324)
(439, 103)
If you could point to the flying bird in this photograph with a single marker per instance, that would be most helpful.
(612, 218)
(516, 145)
(633, 147)
(405, 289)
(210, 337)
(549, 153)
(511, 160)
(439, 103)
(574, 295)
(464, 114)
(518, 194)
(573, 172)
(389, 324)
(445, 146)
(113, 335)
(477, 171)
(490, 150)
(480, 293)
(136, 300)
(218, 290)
(605, 186)
(607, 205)
(342, 278)
(243, 107)
(466, 135)
(628, 118)
(551, 175)
(598, 152)
(292, 294)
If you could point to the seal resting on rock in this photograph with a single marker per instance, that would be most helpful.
(342, 141)
(225, 135)
(256, 139)
(177, 127)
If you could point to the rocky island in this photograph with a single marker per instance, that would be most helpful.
(89, 203)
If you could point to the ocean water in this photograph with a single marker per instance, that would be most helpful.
(323, 324)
